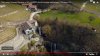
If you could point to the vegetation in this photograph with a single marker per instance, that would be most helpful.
(19, 15)
(46, 29)
(32, 42)
(93, 7)
(73, 31)
(80, 18)
(24, 48)
(72, 37)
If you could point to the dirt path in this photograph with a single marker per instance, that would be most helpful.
(9, 13)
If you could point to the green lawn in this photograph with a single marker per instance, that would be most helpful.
(81, 17)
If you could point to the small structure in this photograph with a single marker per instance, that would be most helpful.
(29, 28)
(31, 6)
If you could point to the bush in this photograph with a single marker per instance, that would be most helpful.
(91, 18)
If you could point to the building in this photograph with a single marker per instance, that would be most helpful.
(31, 6)
(29, 28)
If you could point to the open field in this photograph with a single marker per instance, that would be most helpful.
(81, 17)
(92, 8)
(7, 34)
(13, 12)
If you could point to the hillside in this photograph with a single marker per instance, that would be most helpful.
(70, 29)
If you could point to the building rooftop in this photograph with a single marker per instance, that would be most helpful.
(25, 26)
(28, 25)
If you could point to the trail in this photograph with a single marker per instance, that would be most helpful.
(9, 14)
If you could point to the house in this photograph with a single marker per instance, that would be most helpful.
(29, 28)
(31, 6)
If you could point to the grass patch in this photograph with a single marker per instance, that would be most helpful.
(22, 14)
(24, 48)
(32, 42)
(82, 17)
